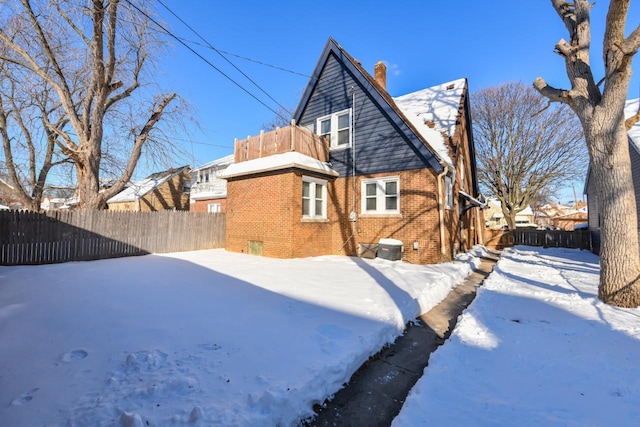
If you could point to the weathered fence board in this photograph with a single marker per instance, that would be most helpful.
(60, 236)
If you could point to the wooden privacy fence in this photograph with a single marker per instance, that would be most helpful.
(61, 236)
(578, 239)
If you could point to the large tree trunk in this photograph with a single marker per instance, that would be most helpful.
(510, 219)
(611, 169)
(602, 117)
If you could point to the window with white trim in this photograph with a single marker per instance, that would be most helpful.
(314, 198)
(462, 173)
(448, 191)
(381, 196)
(213, 207)
(338, 127)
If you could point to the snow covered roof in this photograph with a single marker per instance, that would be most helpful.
(291, 159)
(138, 189)
(631, 108)
(496, 204)
(223, 161)
(434, 110)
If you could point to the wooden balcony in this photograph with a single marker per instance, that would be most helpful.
(282, 140)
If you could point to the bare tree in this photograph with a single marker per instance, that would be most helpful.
(281, 119)
(524, 150)
(600, 108)
(92, 54)
(28, 117)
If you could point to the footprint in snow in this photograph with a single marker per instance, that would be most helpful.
(210, 346)
(74, 355)
(24, 398)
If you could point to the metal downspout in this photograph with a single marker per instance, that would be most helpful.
(441, 210)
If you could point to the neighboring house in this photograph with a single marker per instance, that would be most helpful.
(590, 186)
(495, 220)
(569, 221)
(361, 167)
(208, 190)
(561, 217)
(59, 203)
(52, 203)
(167, 190)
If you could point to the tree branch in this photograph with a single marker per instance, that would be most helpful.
(62, 88)
(551, 93)
(632, 43)
(137, 148)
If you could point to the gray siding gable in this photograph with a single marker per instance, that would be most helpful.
(383, 141)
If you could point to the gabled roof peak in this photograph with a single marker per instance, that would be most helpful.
(411, 110)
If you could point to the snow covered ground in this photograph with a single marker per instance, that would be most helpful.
(536, 348)
(199, 338)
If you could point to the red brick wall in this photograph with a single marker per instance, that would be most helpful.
(268, 209)
(418, 220)
(201, 205)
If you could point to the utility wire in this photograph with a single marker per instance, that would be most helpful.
(221, 55)
(245, 58)
(204, 59)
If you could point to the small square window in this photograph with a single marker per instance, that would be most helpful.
(338, 127)
(381, 196)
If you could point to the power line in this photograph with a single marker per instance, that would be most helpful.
(202, 143)
(221, 55)
(203, 58)
(246, 58)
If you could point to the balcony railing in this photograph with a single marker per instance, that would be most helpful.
(209, 187)
(282, 140)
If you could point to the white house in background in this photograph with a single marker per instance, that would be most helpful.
(59, 203)
(494, 218)
(208, 190)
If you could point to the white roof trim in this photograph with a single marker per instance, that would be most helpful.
(292, 159)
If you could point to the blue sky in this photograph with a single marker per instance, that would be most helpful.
(423, 42)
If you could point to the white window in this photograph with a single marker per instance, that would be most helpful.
(314, 197)
(381, 196)
(213, 207)
(448, 191)
(338, 127)
(462, 173)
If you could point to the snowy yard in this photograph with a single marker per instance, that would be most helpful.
(215, 338)
(198, 338)
(536, 348)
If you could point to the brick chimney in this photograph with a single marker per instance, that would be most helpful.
(380, 73)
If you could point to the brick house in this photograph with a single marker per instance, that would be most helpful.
(360, 167)
(166, 190)
(208, 190)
